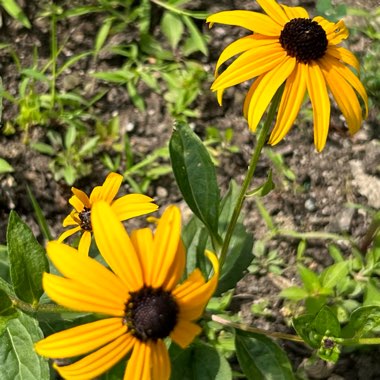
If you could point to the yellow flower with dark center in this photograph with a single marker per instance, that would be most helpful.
(287, 46)
(126, 207)
(141, 298)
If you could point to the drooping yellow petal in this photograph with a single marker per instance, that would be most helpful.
(295, 12)
(243, 44)
(352, 79)
(256, 22)
(193, 282)
(82, 196)
(316, 87)
(139, 364)
(98, 362)
(249, 95)
(68, 233)
(75, 296)
(344, 95)
(344, 55)
(142, 240)
(84, 243)
(335, 32)
(249, 65)
(77, 203)
(82, 339)
(274, 11)
(165, 245)
(115, 246)
(131, 205)
(290, 104)
(109, 188)
(87, 271)
(176, 269)
(184, 332)
(267, 89)
(160, 361)
(95, 193)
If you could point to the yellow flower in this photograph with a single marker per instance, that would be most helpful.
(141, 298)
(125, 207)
(287, 46)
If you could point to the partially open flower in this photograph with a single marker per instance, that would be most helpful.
(126, 207)
(287, 46)
(141, 298)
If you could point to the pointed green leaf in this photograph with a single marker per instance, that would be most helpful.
(195, 175)
(18, 360)
(309, 279)
(334, 274)
(362, 321)
(264, 189)
(172, 27)
(5, 167)
(27, 260)
(261, 358)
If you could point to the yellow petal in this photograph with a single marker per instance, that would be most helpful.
(68, 233)
(344, 95)
(267, 89)
(82, 197)
(353, 80)
(344, 55)
(75, 296)
(70, 219)
(241, 45)
(256, 22)
(292, 97)
(84, 243)
(249, 65)
(316, 87)
(98, 362)
(274, 11)
(76, 203)
(165, 245)
(81, 339)
(184, 332)
(160, 361)
(249, 95)
(176, 269)
(335, 32)
(139, 364)
(192, 283)
(109, 188)
(142, 240)
(295, 12)
(87, 271)
(115, 246)
(132, 205)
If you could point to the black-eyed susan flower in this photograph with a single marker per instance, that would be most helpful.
(140, 298)
(126, 207)
(287, 46)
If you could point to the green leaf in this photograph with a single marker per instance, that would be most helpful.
(18, 360)
(198, 362)
(14, 10)
(372, 294)
(294, 293)
(195, 175)
(261, 358)
(196, 40)
(362, 321)
(309, 279)
(172, 28)
(264, 189)
(334, 274)
(239, 254)
(326, 323)
(102, 35)
(5, 167)
(43, 148)
(6, 305)
(27, 260)
(70, 137)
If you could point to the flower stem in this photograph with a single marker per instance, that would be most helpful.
(249, 175)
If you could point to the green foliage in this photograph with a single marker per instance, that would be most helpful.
(14, 10)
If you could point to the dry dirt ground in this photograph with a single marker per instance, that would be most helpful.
(347, 171)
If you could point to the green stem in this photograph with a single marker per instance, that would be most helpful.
(53, 56)
(352, 342)
(272, 334)
(39, 308)
(248, 177)
(311, 235)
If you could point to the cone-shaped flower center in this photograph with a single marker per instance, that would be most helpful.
(85, 219)
(151, 313)
(304, 39)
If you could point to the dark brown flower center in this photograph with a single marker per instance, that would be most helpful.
(304, 39)
(151, 313)
(85, 219)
